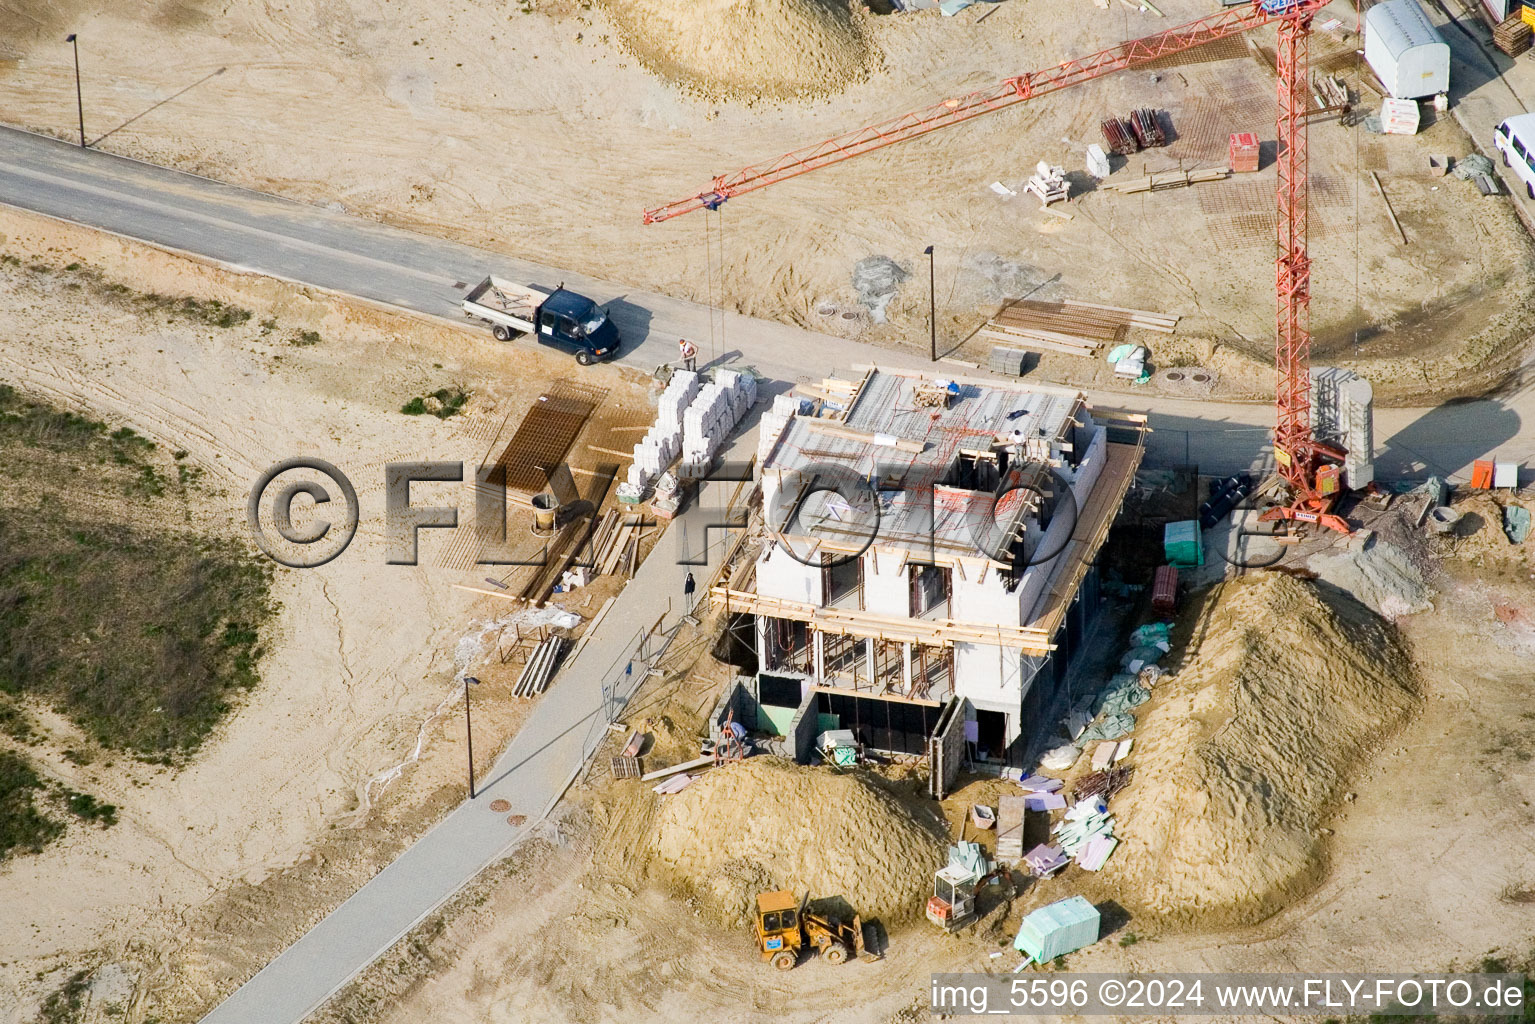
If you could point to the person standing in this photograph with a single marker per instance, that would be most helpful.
(688, 586)
(689, 354)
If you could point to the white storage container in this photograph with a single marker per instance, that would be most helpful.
(1405, 50)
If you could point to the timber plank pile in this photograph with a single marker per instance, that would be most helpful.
(1167, 179)
(536, 674)
(1072, 327)
(1512, 36)
(615, 546)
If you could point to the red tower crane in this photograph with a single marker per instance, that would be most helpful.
(1297, 453)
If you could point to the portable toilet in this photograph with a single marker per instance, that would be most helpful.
(1405, 50)
(1058, 929)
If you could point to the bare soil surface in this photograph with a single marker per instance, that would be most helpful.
(353, 741)
(534, 129)
(1447, 788)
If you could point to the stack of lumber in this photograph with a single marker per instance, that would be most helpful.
(1168, 179)
(557, 559)
(1010, 828)
(1103, 783)
(536, 674)
(1330, 92)
(1512, 36)
(615, 545)
(1072, 327)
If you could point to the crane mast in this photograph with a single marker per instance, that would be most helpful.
(1297, 453)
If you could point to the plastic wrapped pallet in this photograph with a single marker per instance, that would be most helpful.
(1058, 929)
(785, 405)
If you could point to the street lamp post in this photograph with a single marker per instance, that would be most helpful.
(932, 307)
(74, 40)
(469, 731)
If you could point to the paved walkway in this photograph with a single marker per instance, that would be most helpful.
(551, 749)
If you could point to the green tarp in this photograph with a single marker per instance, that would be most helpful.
(1058, 929)
(1181, 544)
(1516, 523)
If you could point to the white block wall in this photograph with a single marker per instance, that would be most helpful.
(886, 592)
(781, 575)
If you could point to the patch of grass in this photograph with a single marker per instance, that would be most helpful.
(442, 403)
(306, 338)
(65, 1005)
(14, 721)
(1129, 939)
(87, 807)
(22, 827)
(139, 637)
(43, 427)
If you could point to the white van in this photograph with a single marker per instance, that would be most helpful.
(1515, 139)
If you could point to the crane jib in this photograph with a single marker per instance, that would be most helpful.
(1032, 84)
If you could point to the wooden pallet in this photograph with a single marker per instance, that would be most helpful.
(1512, 36)
(626, 767)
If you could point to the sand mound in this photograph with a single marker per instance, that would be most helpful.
(767, 823)
(1244, 750)
(748, 49)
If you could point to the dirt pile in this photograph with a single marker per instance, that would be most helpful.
(1479, 537)
(748, 49)
(1246, 747)
(767, 823)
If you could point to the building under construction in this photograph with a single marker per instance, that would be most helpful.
(930, 543)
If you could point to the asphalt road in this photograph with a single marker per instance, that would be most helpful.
(332, 249)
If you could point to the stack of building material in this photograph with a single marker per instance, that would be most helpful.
(539, 669)
(1049, 183)
(1072, 326)
(1058, 929)
(615, 544)
(1044, 801)
(1169, 179)
(1119, 136)
(1512, 35)
(675, 784)
(713, 414)
(1087, 833)
(1399, 117)
(1040, 784)
(1103, 784)
(662, 443)
(1147, 126)
(1182, 544)
(1010, 827)
(1244, 152)
(1007, 360)
(1045, 860)
(785, 408)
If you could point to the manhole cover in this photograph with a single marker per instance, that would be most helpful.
(827, 310)
(500, 806)
(516, 819)
(1200, 378)
(850, 316)
(1174, 375)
